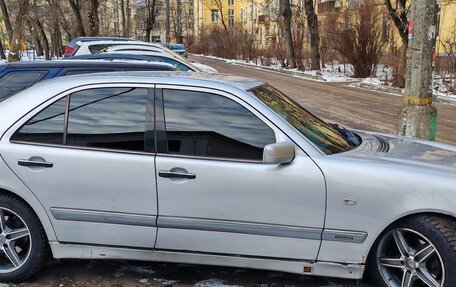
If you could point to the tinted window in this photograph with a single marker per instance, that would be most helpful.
(112, 118)
(17, 81)
(208, 125)
(45, 127)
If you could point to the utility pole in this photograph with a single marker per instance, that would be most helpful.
(167, 24)
(418, 116)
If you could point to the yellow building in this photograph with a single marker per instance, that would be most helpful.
(212, 13)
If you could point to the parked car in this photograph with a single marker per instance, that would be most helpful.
(218, 170)
(73, 45)
(138, 55)
(96, 47)
(179, 49)
(17, 76)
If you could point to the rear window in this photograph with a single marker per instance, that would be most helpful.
(14, 82)
(97, 49)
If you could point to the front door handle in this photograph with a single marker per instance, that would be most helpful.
(173, 174)
(34, 163)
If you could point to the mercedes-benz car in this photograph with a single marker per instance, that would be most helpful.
(218, 170)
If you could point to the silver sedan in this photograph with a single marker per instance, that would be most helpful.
(218, 170)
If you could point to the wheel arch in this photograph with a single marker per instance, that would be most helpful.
(36, 207)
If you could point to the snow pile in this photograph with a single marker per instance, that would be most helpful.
(213, 283)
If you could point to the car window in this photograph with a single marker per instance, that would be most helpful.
(208, 125)
(16, 81)
(46, 127)
(111, 118)
(98, 48)
(179, 66)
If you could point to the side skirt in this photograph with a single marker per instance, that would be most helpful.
(328, 269)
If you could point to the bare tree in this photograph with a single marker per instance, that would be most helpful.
(123, 18)
(220, 7)
(398, 14)
(94, 20)
(6, 19)
(76, 7)
(287, 15)
(18, 30)
(151, 14)
(312, 24)
(35, 17)
(359, 40)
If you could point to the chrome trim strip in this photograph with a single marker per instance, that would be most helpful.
(344, 236)
(104, 217)
(239, 227)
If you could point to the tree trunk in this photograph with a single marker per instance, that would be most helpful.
(18, 31)
(399, 17)
(312, 23)
(288, 34)
(128, 11)
(124, 18)
(6, 19)
(94, 21)
(76, 8)
(2, 51)
(42, 33)
(36, 38)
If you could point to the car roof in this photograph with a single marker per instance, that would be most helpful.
(136, 47)
(217, 81)
(121, 42)
(88, 39)
(88, 63)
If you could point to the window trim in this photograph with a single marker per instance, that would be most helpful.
(20, 123)
(161, 130)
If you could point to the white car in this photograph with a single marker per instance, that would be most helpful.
(96, 47)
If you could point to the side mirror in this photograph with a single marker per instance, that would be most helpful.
(278, 153)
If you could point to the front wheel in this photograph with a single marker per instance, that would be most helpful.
(23, 246)
(417, 252)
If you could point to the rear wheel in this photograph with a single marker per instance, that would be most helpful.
(23, 244)
(417, 252)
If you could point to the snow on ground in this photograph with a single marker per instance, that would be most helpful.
(213, 283)
(336, 72)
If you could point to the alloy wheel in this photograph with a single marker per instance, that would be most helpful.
(15, 241)
(407, 258)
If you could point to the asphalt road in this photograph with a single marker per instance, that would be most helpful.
(337, 102)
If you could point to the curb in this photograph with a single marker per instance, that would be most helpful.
(399, 92)
(283, 71)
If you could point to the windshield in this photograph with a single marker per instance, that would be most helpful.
(323, 135)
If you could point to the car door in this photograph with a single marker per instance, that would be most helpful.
(215, 194)
(87, 159)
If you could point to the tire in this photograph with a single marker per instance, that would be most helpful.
(415, 250)
(17, 220)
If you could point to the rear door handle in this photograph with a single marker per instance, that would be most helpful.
(173, 174)
(33, 163)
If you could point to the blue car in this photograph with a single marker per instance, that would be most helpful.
(17, 76)
(179, 49)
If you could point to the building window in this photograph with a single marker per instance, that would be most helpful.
(215, 15)
(231, 17)
(141, 26)
(190, 11)
(230, 2)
